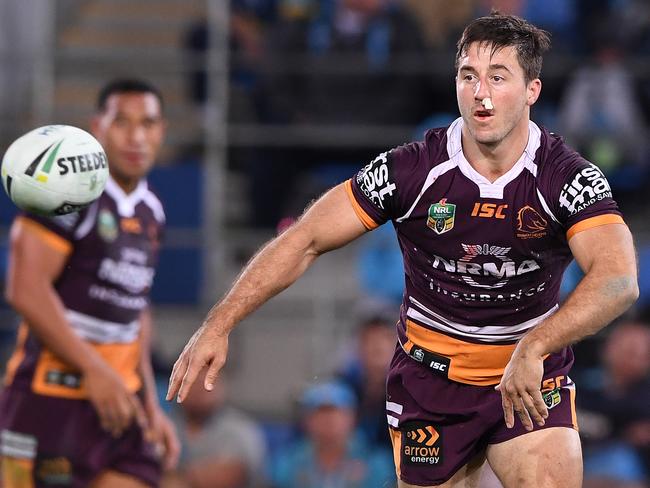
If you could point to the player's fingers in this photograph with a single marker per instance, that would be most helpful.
(138, 413)
(172, 447)
(177, 375)
(540, 404)
(531, 408)
(508, 414)
(193, 369)
(520, 409)
(124, 414)
(105, 417)
(213, 372)
(111, 417)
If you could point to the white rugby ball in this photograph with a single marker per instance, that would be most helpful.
(54, 170)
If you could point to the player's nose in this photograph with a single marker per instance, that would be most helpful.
(481, 91)
(137, 135)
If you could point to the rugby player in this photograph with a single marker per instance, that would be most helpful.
(488, 213)
(79, 407)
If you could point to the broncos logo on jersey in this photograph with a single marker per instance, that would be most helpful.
(530, 223)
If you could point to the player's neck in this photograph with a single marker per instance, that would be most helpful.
(494, 160)
(128, 185)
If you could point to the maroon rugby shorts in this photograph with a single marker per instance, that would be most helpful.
(47, 441)
(437, 425)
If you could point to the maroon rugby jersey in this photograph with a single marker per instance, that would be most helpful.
(483, 261)
(112, 250)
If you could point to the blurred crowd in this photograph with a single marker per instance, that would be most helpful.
(355, 69)
(338, 436)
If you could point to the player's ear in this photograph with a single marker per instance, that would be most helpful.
(94, 124)
(534, 89)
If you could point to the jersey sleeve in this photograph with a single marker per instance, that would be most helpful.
(378, 191)
(58, 232)
(582, 195)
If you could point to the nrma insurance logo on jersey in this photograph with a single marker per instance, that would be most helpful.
(485, 265)
(587, 187)
(373, 180)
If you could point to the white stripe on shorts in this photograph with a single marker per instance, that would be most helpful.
(392, 421)
(394, 407)
(15, 444)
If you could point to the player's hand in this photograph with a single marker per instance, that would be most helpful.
(116, 406)
(520, 389)
(162, 434)
(208, 347)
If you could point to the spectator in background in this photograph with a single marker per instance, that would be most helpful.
(247, 28)
(635, 16)
(614, 411)
(221, 446)
(331, 455)
(440, 21)
(362, 39)
(601, 115)
(366, 375)
(350, 62)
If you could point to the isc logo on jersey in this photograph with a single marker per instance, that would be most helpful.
(587, 187)
(373, 180)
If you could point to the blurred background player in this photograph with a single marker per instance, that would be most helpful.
(221, 446)
(79, 406)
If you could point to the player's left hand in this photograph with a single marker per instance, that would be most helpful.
(162, 434)
(520, 389)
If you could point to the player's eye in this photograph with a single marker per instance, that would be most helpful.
(497, 78)
(469, 77)
(120, 121)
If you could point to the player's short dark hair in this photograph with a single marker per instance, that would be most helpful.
(126, 85)
(508, 30)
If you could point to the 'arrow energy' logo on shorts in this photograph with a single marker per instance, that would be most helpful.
(421, 443)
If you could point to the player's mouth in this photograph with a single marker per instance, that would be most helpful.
(134, 157)
(483, 115)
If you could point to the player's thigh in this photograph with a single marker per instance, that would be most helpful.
(547, 458)
(466, 477)
(115, 479)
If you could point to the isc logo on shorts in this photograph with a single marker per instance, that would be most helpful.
(421, 444)
(439, 364)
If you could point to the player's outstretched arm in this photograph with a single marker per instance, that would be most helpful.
(34, 265)
(328, 224)
(609, 287)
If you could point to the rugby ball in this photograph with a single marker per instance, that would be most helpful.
(54, 170)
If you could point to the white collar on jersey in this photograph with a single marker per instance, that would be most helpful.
(126, 203)
(493, 189)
